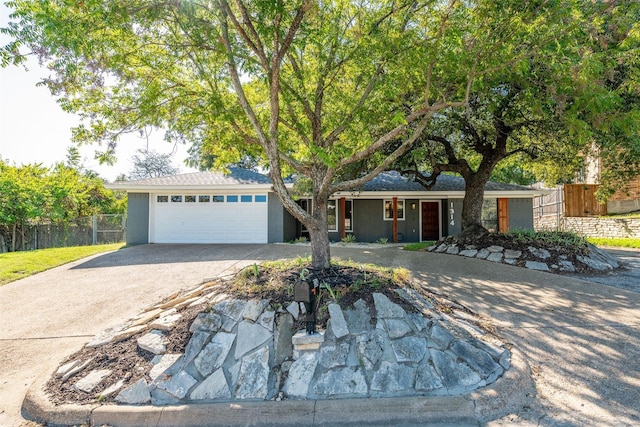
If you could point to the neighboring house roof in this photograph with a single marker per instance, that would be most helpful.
(385, 184)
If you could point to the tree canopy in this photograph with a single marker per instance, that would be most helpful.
(316, 89)
(151, 164)
(36, 194)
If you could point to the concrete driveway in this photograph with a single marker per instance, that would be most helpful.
(581, 339)
(48, 316)
(626, 278)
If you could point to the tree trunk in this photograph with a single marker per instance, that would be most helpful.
(472, 203)
(319, 234)
(13, 239)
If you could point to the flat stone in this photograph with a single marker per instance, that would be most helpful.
(231, 308)
(385, 308)
(294, 310)
(195, 345)
(207, 322)
(154, 342)
(495, 257)
(145, 318)
(441, 336)
(338, 322)
(510, 261)
(483, 254)
(397, 328)
(603, 256)
(111, 390)
(441, 248)
(254, 375)
(333, 356)
(369, 349)
(115, 335)
(469, 253)
(302, 338)
(254, 308)
(409, 349)
(418, 321)
(267, 319)
(213, 387)
(341, 382)
(62, 370)
(594, 263)
(92, 380)
(165, 323)
(536, 265)
(512, 254)
(476, 358)
(282, 338)
(136, 394)
(358, 318)
(427, 379)
(453, 250)
(392, 378)
(78, 368)
(250, 336)
(456, 377)
(567, 266)
(215, 353)
(164, 362)
(300, 375)
(539, 253)
(495, 249)
(178, 385)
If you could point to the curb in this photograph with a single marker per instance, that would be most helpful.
(507, 395)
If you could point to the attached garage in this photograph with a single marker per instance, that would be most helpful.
(204, 207)
(208, 218)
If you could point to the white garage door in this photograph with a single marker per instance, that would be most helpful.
(209, 218)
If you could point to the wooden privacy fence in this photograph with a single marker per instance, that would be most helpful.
(580, 200)
(97, 229)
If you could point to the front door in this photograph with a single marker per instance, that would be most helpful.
(503, 215)
(430, 221)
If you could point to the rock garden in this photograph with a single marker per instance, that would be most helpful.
(245, 339)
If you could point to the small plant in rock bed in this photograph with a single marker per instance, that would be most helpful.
(349, 238)
(548, 238)
(382, 241)
(344, 282)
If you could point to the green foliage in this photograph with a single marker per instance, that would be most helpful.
(417, 246)
(349, 238)
(382, 241)
(17, 265)
(33, 193)
(615, 242)
(548, 238)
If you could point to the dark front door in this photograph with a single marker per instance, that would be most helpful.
(430, 221)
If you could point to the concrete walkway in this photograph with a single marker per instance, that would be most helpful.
(581, 339)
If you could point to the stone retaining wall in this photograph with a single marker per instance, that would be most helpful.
(591, 226)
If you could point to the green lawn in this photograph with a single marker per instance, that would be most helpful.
(417, 246)
(620, 243)
(16, 265)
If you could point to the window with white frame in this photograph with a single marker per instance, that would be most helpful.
(348, 215)
(332, 215)
(388, 210)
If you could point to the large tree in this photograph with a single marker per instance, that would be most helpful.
(312, 88)
(151, 164)
(550, 111)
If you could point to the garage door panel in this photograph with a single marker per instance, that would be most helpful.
(210, 222)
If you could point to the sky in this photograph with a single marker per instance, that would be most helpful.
(34, 129)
